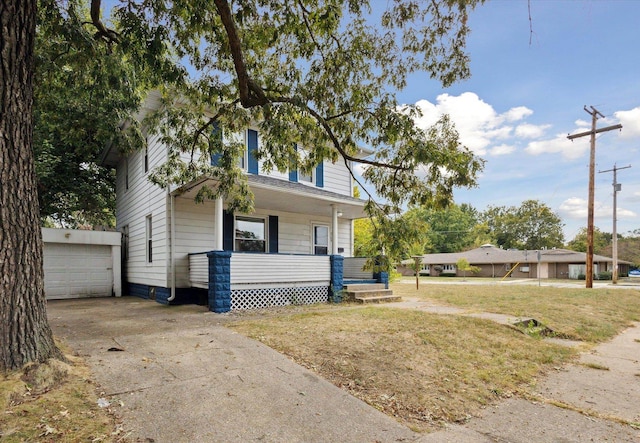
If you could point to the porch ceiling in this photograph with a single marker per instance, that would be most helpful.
(281, 195)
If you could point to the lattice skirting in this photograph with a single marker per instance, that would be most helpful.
(242, 299)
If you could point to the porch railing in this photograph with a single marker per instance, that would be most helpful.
(199, 270)
(248, 270)
(353, 269)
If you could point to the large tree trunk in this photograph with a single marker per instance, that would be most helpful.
(25, 335)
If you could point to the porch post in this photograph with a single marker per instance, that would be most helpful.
(337, 272)
(334, 229)
(217, 226)
(219, 281)
(380, 275)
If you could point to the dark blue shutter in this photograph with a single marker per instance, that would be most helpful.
(293, 168)
(320, 175)
(273, 234)
(227, 231)
(252, 146)
(216, 133)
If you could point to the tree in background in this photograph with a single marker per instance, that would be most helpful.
(532, 225)
(463, 265)
(600, 241)
(450, 229)
(322, 75)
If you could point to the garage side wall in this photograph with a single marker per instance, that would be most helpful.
(81, 263)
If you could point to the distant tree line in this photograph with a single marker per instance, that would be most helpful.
(460, 227)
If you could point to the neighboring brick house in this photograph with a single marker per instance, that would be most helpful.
(497, 262)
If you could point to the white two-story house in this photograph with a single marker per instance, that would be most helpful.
(288, 251)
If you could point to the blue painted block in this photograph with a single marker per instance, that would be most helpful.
(219, 281)
(337, 274)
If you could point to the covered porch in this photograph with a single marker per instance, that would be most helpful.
(240, 281)
(291, 250)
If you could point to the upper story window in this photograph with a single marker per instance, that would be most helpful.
(126, 173)
(248, 160)
(250, 234)
(146, 155)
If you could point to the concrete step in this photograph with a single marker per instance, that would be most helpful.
(364, 286)
(371, 293)
(377, 298)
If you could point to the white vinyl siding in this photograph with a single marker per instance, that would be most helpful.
(337, 178)
(133, 206)
(194, 233)
(249, 269)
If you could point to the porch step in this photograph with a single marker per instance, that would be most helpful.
(370, 293)
(364, 287)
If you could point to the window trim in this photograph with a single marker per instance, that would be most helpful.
(145, 160)
(252, 218)
(126, 173)
(148, 223)
(313, 238)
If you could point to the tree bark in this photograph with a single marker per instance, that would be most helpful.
(25, 335)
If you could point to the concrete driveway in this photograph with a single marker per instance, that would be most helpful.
(183, 377)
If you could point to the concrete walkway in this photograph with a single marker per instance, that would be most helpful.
(594, 400)
(181, 376)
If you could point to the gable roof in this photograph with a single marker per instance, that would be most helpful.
(489, 254)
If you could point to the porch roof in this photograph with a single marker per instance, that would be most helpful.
(282, 195)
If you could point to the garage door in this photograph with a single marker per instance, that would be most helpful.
(76, 270)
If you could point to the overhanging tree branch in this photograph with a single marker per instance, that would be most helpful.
(251, 94)
(104, 33)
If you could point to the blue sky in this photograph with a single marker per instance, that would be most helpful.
(523, 99)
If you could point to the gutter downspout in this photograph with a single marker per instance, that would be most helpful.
(172, 235)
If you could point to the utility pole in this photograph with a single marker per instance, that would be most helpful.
(614, 240)
(592, 162)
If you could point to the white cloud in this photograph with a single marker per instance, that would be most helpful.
(630, 121)
(517, 113)
(501, 150)
(478, 124)
(573, 207)
(576, 208)
(526, 130)
(558, 145)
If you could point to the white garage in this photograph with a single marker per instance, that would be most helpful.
(81, 263)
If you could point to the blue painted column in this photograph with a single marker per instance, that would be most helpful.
(381, 276)
(219, 281)
(337, 272)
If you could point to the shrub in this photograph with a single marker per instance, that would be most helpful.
(604, 275)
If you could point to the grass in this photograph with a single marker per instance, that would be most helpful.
(424, 369)
(427, 370)
(590, 315)
(54, 402)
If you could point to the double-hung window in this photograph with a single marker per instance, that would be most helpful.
(250, 234)
(320, 239)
